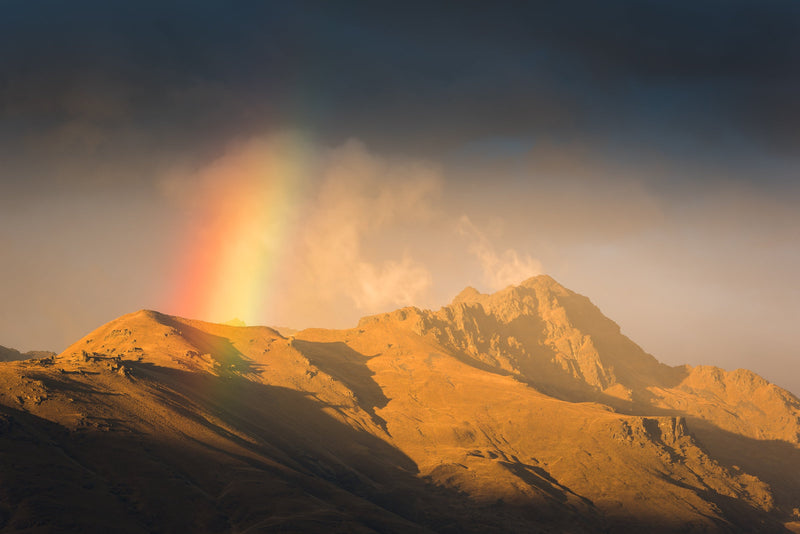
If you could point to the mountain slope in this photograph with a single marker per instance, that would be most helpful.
(522, 411)
(560, 343)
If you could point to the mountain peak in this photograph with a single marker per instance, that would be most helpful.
(540, 279)
(470, 295)
(543, 333)
(467, 295)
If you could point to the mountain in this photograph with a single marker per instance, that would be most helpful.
(522, 411)
(10, 355)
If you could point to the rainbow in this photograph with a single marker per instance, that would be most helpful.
(240, 236)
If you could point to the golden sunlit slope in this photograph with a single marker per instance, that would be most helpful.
(522, 411)
(558, 342)
(543, 333)
(561, 344)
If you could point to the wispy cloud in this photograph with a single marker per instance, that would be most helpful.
(362, 195)
(499, 269)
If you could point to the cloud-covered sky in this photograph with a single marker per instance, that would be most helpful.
(306, 163)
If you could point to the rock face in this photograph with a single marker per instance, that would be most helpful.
(522, 411)
(543, 333)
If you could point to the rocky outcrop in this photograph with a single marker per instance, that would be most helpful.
(540, 331)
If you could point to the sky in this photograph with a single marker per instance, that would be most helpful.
(308, 163)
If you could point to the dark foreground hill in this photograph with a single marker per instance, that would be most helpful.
(522, 411)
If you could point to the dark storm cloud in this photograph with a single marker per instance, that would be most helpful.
(119, 80)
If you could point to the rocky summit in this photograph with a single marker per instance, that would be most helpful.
(522, 411)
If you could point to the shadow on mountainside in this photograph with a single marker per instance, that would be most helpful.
(562, 365)
(240, 455)
(236, 455)
(773, 461)
(228, 454)
(515, 350)
(635, 367)
(228, 359)
(350, 368)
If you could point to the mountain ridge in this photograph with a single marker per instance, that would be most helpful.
(522, 411)
(8, 354)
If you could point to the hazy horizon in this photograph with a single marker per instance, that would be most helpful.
(306, 165)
